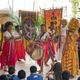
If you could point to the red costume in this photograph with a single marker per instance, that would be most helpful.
(48, 48)
(19, 46)
(8, 56)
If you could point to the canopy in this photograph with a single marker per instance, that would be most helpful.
(4, 16)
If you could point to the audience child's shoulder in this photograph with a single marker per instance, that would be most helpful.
(40, 76)
(28, 78)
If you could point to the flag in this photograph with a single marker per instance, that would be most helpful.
(54, 15)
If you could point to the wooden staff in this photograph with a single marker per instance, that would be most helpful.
(1, 37)
(42, 60)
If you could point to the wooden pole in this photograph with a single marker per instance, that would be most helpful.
(34, 5)
(12, 6)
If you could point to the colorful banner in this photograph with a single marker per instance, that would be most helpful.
(47, 17)
(29, 21)
(53, 16)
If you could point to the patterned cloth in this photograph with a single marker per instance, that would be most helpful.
(70, 55)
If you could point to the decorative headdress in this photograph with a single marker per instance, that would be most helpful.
(73, 24)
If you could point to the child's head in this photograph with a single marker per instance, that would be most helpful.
(57, 67)
(11, 70)
(33, 69)
(65, 75)
(17, 28)
(8, 26)
(3, 77)
(21, 74)
(43, 28)
(64, 22)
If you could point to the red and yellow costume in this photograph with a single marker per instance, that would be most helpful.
(70, 54)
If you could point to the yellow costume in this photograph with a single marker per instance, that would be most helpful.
(70, 54)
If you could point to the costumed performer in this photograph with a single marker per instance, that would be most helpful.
(46, 45)
(8, 56)
(53, 36)
(64, 29)
(78, 45)
(70, 52)
(19, 45)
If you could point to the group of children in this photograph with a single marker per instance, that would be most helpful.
(11, 75)
(21, 74)
(34, 75)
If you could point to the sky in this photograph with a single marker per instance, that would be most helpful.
(26, 4)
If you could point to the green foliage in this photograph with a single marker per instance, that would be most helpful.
(75, 4)
(40, 20)
(14, 17)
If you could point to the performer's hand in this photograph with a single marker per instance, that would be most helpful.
(22, 35)
(12, 37)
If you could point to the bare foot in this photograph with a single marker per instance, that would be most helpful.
(46, 65)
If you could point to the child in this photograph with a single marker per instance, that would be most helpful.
(34, 75)
(65, 75)
(3, 77)
(11, 74)
(57, 69)
(21, 75)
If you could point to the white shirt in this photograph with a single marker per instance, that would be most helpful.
(63, 30)
(16, 34)
(45, 36)
(7, 34)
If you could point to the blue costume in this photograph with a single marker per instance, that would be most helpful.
(35, 77)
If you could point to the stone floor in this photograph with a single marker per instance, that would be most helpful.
(26, 65)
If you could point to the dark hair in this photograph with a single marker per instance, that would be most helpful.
(57, 68)
(42, 25)
(52, 23)
(78, 78)
(33, 69)
(7, 24)
(3, 77)
(79, 30)
(17, 26)
(65, 75)
(11, 70)
(21, 74)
